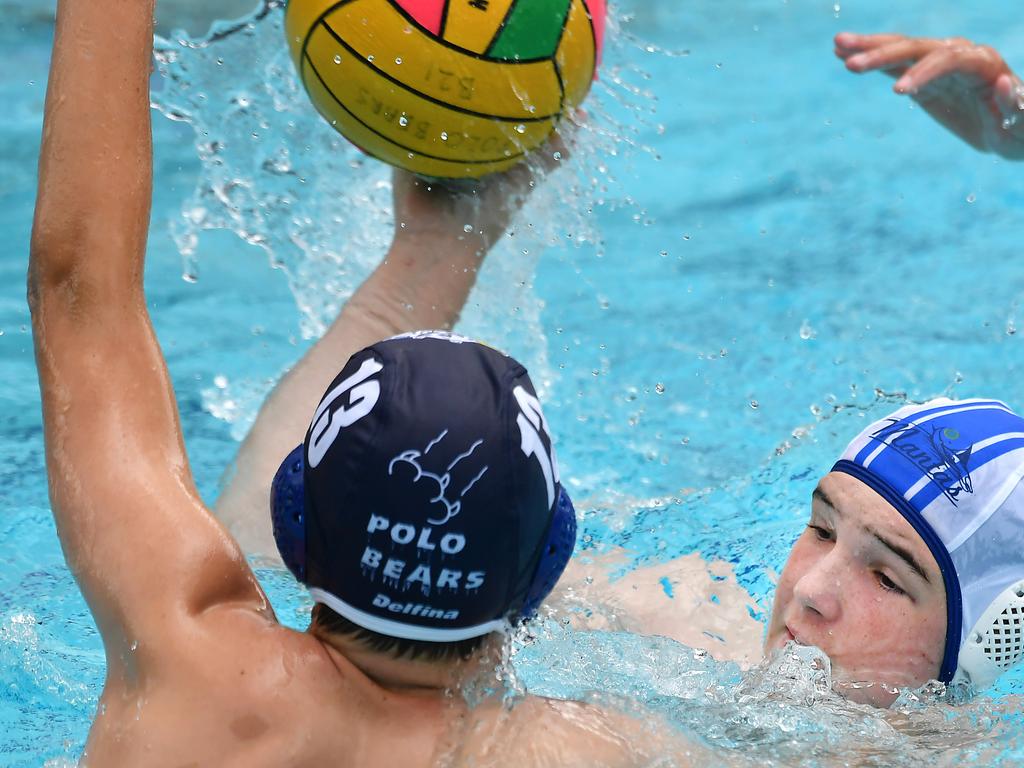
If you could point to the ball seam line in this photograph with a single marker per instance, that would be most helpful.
(459, 48)
(427, 97)
(388, 139)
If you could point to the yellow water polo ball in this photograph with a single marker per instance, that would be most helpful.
(446, 88)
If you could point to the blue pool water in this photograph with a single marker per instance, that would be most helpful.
(752, 253)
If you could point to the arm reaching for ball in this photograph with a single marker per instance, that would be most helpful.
(442, 234)
(966, 87)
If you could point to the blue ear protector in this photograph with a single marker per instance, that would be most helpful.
(288, 513)
(561, 540)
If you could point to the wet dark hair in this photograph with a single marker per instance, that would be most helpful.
(326, 620)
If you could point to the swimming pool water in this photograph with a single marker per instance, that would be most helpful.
(777, 251)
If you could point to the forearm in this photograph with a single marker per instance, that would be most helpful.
(95, 164)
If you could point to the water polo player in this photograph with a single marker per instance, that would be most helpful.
(424, 510)
(910, 568)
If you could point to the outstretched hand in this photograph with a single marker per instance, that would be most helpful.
(474, 212)
(966, 87)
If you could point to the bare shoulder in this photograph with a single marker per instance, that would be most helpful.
(245, 689)
(546, 733)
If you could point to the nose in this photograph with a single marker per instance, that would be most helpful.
(819, 589)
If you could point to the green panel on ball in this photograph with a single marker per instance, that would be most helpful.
(532, 30)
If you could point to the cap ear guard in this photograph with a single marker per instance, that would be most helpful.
(996, 643)
(288, 512)
(558, 548)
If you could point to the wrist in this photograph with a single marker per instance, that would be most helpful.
(472, 245)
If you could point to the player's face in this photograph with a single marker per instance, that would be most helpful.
(861, 585)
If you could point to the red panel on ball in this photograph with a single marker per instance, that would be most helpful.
(427, 13)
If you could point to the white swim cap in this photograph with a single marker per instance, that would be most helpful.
(953, 470)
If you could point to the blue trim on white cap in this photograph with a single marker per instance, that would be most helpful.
(954, 600)
(400, 629)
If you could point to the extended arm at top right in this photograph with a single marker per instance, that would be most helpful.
(965, 87)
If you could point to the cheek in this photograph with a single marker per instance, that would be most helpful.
(889, 639)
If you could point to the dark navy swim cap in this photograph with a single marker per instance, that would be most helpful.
(425, 502)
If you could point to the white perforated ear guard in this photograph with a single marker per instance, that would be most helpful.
(996, 643)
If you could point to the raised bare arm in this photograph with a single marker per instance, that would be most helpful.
(145, 551)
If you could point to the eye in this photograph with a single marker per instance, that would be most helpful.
(822, 534)
(888, 584)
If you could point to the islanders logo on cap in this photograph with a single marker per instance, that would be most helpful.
(939, 452)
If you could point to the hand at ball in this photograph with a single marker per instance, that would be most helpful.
(469, 213)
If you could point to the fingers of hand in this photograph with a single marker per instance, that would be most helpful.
(893, 57)
(552, 153)
(1008, 92)
(849, 43)
(978, 64)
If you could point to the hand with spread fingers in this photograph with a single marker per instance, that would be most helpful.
(966, 87)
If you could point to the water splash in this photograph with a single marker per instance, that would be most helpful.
(279, 177)
(784, 710)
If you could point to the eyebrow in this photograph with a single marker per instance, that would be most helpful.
(900, 552)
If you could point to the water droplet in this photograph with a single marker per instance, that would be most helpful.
(754, 404)
(557, 155)
(971, 197)
(467, 228)
(659, 388)
(220, 381)
(444, 135)
(520, 128)
(398, 59)
(370, 58)
(807, 332)
(337, 58)
(403, 121)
